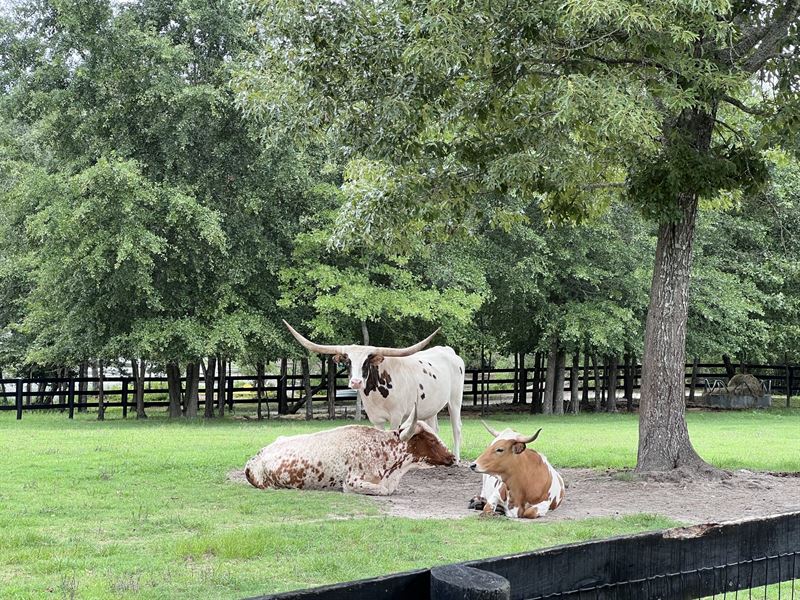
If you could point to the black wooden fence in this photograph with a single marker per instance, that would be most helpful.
(481, 387)
(703, 561)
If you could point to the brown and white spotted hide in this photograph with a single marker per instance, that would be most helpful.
(353, 458)
(517, 480)
(391, 381)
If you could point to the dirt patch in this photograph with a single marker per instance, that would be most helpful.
(444, 492)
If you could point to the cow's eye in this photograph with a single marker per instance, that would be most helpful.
(499, 450)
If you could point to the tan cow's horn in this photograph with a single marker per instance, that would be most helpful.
(406, 351)
(528, 440)
(489, 429)
(407, 428)
(318, 348)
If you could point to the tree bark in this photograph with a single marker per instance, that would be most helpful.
(139, 367)
(331, 388)
(550, 378)
(628, 381)
(663, 436)
(558, 390)
(693, 383)
(613, 375)
(259, 389)
(210, 378)
(174, 389)
(730, 371)
(307, 388)
(537, 382)
(101, 398)
(191, 399)
(82, 373)
(598, 385)
(282, 399)
(585, 386)
(574, 398)
(222, 363)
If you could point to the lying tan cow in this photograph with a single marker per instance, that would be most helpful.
(353, 458)
(517, 481)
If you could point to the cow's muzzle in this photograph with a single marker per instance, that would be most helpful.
(356, 384)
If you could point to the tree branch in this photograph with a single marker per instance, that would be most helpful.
(743, 107)
(773, 37)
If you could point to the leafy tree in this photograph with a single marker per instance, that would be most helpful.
(448, 110)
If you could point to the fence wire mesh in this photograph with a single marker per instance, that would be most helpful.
(765, 578)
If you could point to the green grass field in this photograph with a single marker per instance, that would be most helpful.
(143, 509)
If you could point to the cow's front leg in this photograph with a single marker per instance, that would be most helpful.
(358, 485)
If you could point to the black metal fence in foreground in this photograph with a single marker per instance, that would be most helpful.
(286, 393)
(743, 559)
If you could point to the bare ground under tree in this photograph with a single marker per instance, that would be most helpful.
(443, 493)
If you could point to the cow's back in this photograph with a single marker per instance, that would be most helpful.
(316, 461)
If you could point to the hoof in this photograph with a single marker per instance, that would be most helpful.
(477, 503)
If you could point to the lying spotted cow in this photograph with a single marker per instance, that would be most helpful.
(517, 481)
(353, 458)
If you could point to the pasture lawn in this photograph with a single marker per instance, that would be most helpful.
(143, 509)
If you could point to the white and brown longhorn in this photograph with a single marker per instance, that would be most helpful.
(517, 480)
(391, 379)
(353, 458)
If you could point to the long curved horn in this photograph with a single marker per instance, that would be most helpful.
(407, 428)
(318, 348)
(528, 440)
(489, 429)
(407, 351)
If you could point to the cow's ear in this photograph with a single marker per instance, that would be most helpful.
(518, 447)
(375, 359)
(339, 358)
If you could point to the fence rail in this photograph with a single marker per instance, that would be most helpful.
(523, 385)
(713, 560)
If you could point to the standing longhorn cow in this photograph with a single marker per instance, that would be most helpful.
(389, 380)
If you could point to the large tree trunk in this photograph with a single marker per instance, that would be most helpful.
(663, 437)
(101, 398)
(630, 366)
(174, 389)
(139, 368)
(210, 378)
(558, 389)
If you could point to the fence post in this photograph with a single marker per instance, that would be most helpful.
(230, 392)
(18, 390)
(788, 385)
(458, 582)
(124, 397)
(475, 388)
(523, 392)
(71, 397)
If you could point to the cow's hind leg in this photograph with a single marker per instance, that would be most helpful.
(454, 408)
